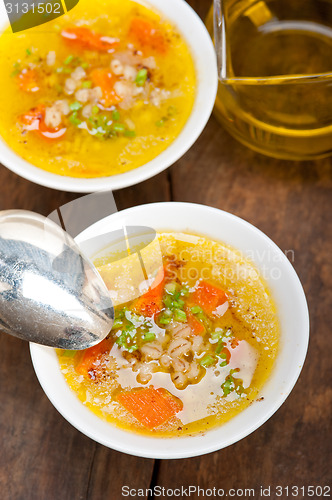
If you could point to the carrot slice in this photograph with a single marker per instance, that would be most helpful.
(147, 35)
(34, 120)
(91, 355)
(151, 302)
(104, 79)
(28, 80)
(208, 297)
(87, 39)
(197, 328)
(151, 407)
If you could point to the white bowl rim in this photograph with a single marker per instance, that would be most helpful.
(176, 448)
(181, 15)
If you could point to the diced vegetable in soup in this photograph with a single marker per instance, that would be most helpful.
(100, 91)
(190, 352)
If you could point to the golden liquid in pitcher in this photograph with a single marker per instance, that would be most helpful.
(277, 93)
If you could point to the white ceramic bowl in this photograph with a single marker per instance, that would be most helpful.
(293, 315)
(194, 32)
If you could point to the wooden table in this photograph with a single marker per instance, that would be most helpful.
(44, 458)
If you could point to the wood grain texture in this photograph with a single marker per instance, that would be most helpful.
(44, 458)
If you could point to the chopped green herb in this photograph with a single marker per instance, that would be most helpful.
(171, 287)
(126, 341)
(149, 337)
(196, 309)
(122, 340)
(130, 329)
(63, 70)
(116, 115)
(165, 317)
(207, 360)
(180, 315)
(184, 291)
(87, 84)
(28, 51)
(68, 60)
(17, 69)
(201, 316)
(219, 348)
(232, 384)
(84, 65)
(168, 313)
(69, 353)
(74, 120)
(141, 77)
(228, 386)
(172, 110)
(168, 301)
(179, 303)
(218, 334)
(102, 125)
(118, 127)
(164, 320)
(160, 123)
(117, 323)
(74, 106)
(121, 313)
(223, 363)
(136, 317)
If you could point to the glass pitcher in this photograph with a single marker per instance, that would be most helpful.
(275, 74)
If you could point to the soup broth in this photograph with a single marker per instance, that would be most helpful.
(190, 352)
(100, 91)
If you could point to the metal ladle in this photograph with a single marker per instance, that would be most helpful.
(50, 293)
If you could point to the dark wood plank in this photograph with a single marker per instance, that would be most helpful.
(42, 456)
(20, 193)
(36, 443)
(153, 190)
(17, 192)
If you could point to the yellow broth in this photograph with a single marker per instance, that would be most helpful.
(109, 138)
(251, 318)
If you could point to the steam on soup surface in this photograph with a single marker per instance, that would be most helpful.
(188, 354)
(99, 91)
